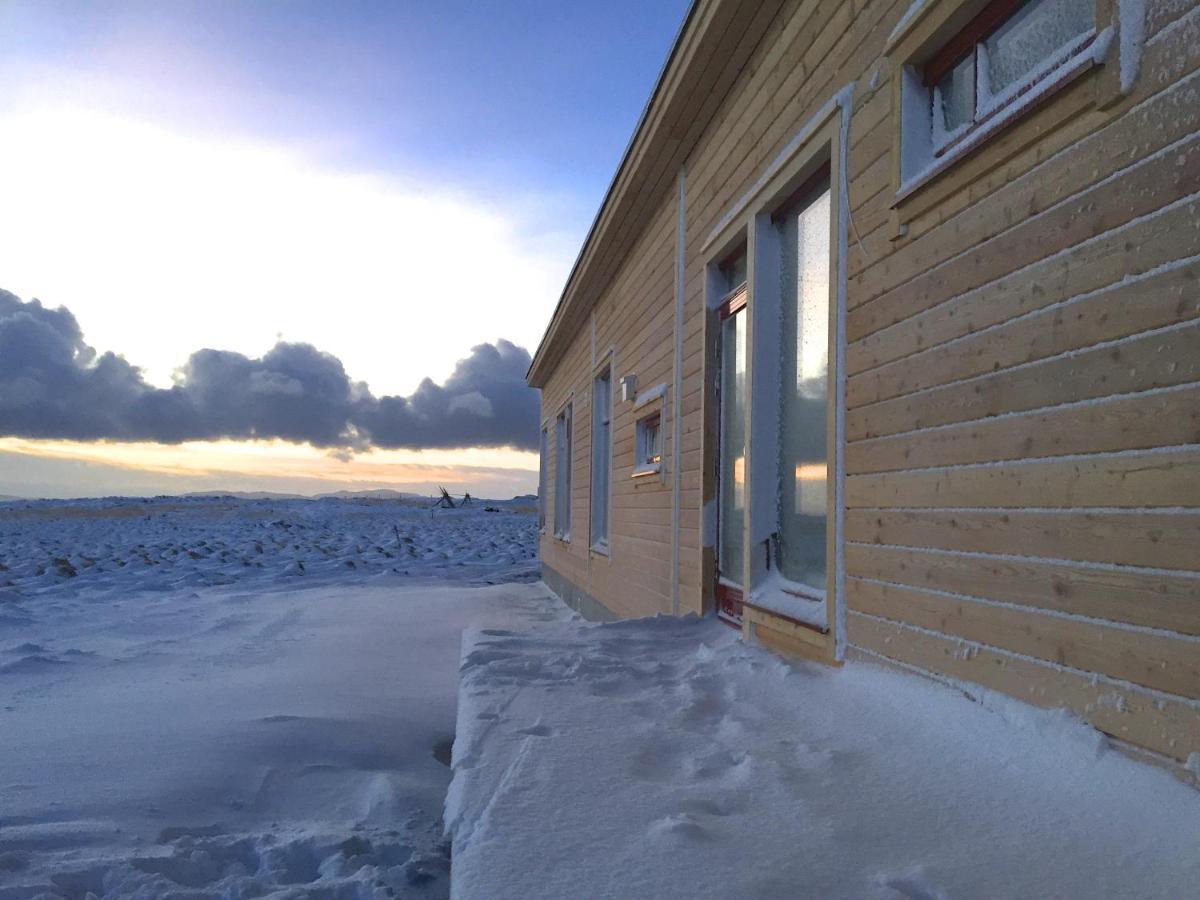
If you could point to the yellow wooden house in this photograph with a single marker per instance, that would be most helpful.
(885, 345)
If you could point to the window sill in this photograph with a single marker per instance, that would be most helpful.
(1000, 117)
(643, 471)
(563, 538)
(788, 600)
(601, 549)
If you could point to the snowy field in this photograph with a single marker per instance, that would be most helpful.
(661, 758)
(207, 698)
(172, 544)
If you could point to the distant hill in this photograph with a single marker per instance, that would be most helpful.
(378, 494)
(247, 495)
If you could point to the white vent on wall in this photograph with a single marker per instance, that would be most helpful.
(628, 388)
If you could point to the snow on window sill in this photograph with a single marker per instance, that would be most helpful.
(600, 548)
(797, 602)
(1078, 57)
(658, 392)
(564, 537)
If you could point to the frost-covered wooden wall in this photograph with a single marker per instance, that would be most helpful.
(1023, 357)
(1023, 427)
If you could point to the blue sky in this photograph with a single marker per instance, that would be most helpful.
(499, 97)
(393, 183)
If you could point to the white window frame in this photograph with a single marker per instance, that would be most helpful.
(926, 149)
(823, 139)
(564, 449)
(650, 404)
(602, 460)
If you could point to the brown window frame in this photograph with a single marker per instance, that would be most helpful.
(964, 44)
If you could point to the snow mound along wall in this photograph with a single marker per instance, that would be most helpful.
(662, 757)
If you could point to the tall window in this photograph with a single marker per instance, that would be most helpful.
(601, 456)
(562, 474)
(731, 475)
(543, 464)
(804, 232)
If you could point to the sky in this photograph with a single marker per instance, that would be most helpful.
(297, 246)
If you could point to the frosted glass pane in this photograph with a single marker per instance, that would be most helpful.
(804, 394)
(732, 551)
(954, 99)
(1033, 34)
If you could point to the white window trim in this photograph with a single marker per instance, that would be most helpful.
(600, 545)
(564, 473)
(746, 217)
(543, 476)
(993, 115)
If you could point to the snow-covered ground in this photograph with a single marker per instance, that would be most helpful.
(192, 714)
(173, 544)
(207, 698)
(661, 758)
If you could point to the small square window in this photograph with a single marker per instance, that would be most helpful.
(648, 445)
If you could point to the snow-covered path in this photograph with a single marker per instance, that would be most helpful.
(661, 758)
(231, 741)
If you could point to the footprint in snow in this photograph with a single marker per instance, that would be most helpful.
(911, 885)
(682, 826)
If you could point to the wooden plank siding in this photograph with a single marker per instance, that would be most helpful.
(1022, 361)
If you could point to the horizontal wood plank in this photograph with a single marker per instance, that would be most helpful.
(1166, 726)
(1151, 599)
(1151, 659)
(1147, 540)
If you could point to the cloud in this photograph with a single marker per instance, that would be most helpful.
(53, 385)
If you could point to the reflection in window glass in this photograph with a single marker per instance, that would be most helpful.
(732, 552)
(1032, 35)
(563, 457)
(954, 97)
(649, 442)
(803, 446)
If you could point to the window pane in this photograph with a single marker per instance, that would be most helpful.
(601, 430)
(568, 468)
(1037, 30)
(651, 452)
(733, 447)
(954, 97)
(803, 455)
(733, 271)
(562, 473)
(543, 466)
(559, 471)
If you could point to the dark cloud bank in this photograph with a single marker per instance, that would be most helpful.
(53, 385)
